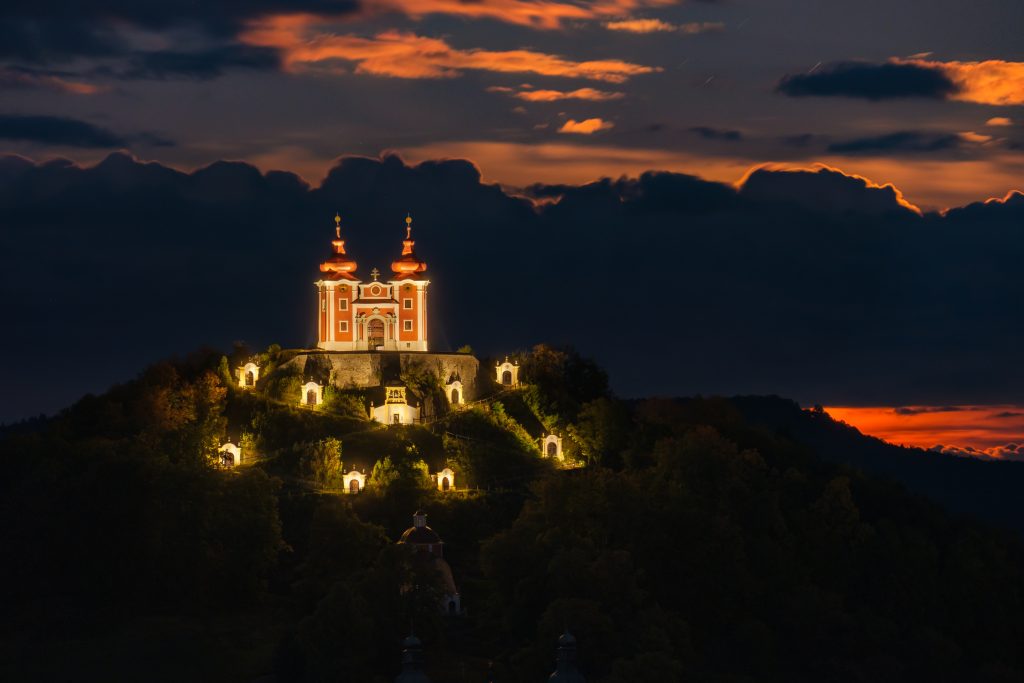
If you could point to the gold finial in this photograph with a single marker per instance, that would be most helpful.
(337, 225)
(408, 225)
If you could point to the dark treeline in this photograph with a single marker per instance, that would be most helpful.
(692, 544)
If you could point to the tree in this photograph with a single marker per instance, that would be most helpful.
(321, 461)
(602, 431)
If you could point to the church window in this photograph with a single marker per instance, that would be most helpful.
(342, 304)
(407, 326)
(407, 303)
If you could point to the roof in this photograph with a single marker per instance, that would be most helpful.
(423, 535)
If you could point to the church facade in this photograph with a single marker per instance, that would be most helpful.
(376, 315)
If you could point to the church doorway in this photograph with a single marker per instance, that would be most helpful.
(311, 397)
(396, 419)
(445, 484)
(506, 378)
(552, 449)
(353, 486)
(375, 331)
(455, 397)
(250, 379)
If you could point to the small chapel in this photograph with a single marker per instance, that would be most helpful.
(378, 315)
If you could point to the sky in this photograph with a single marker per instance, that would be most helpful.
(818, 200)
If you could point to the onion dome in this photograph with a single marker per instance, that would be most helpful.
(407, 266)
(339, 266)
(419, 533)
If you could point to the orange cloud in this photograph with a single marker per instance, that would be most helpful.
(589, 94)
(407, 55)
(993, 81)
(983, 429)
(999, 121)
(585, 127)
(640, 25)
(538, 14)
(659, 26)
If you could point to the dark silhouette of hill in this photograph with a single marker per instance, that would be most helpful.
(701, 539)
(984, 489)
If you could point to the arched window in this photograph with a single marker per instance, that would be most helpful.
(506, 377)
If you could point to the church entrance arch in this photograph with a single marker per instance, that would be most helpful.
(552, 449)
(375, 332)
(455, 397)
(311, 397)
(250, 379)
(353, 486)
(445, 484)
(506, 378)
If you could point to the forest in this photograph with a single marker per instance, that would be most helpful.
(682, 539)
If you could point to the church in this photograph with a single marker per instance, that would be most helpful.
(379, 315)
(371, 335)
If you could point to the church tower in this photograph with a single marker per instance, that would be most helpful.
(377, 315)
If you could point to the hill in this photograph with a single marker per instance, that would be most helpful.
(688, 539)
(987, 490)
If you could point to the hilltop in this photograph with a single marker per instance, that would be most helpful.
(699, 539)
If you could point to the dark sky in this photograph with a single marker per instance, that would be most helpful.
(826, 284)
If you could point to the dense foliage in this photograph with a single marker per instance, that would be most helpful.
(693, 544)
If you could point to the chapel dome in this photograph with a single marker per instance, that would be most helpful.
(339, 265)
(419, 533)
(408, 265)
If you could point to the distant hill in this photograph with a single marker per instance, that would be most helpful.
(987, 490)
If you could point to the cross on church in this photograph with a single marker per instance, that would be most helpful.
(375, 274)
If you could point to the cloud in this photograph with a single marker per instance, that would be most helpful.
(57, 130)
(991, 81)
(536, 14)
(586, 126)
(870, 81)
(902, 141)
(1010, 451)
(925, 410)
(848, 297)
(407, 55)
(709, 133)
(999, 121)
(197, 65)
(825, 189)
(16, 78)
(589, 94)
(659, 26)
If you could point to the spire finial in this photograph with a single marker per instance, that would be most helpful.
(337, 224)
(408, 225)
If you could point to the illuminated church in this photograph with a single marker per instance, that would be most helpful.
(379, 315)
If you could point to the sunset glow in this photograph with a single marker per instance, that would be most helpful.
(993, 431)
